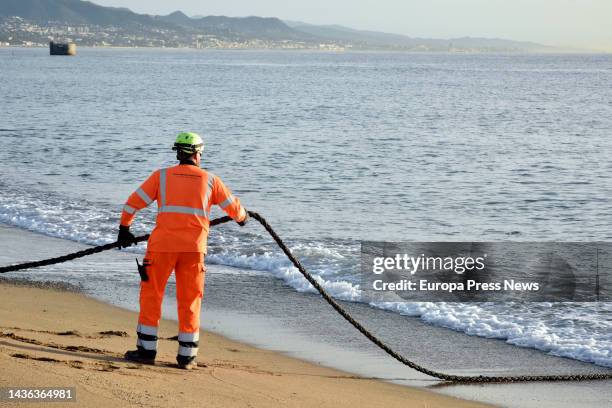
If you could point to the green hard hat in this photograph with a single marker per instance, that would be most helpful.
(188, 142)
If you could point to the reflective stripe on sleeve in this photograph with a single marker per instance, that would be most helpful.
(145, 197)
(189, 337)
(226, 203)
(128, 209)
(147, 344)
(188, 351)
(182, 210)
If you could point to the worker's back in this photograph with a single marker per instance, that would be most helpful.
(183, 209)
(184, 195)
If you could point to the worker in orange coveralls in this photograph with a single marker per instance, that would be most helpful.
(184, 195)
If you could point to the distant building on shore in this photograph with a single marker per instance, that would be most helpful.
(62, 48)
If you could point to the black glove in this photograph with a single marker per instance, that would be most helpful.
(246, 219)
(125, 237)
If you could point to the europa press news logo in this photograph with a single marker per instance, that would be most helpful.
(525, 271)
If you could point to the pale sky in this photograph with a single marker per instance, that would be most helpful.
(578, 23)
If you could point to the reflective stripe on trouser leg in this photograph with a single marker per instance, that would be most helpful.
(187, 351)
(147, 337)
(188, 344)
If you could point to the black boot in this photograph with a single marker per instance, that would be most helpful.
(141, 356)
(186, 363)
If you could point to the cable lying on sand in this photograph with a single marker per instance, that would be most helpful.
(338, 308)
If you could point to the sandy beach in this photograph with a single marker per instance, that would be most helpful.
(253, 355)
(55, 338)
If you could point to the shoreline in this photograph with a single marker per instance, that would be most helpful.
(300, 327)
(70, 340)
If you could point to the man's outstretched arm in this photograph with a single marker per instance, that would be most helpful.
(224, 198)
(139, 199)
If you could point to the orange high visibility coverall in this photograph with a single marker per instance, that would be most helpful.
(184, 195)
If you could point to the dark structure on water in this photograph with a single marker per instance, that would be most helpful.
(62, 48)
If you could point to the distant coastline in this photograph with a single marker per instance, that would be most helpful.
(36, 22)
(339, 50)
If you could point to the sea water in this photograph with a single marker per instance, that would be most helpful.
(331, 148)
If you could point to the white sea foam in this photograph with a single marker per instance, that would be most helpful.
(280, 267)
(59, 219)
(534, 326)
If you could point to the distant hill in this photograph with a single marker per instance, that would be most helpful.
(364, 38)
(71, 11)
(98, 25)
(84, 12)
(249, 27)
